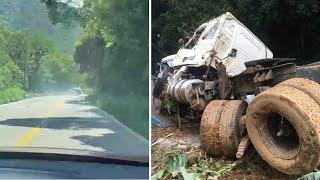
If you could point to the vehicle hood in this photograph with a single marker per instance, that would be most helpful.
(70, 154)
(168, 60)
(185, 57)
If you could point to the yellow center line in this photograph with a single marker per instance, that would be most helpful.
(33, 132)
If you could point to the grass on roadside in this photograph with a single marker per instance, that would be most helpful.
(11, 94)
(131, 109)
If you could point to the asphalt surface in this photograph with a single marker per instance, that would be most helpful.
(66, 121)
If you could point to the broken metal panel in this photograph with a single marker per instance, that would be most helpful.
(168, 60)
(224, 82)
(283, 72)
(270, 75)
(222, 35)
(255, 79)
(269, 61)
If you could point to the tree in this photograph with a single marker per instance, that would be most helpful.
(123, 28)
(64, 13)
(113, 51)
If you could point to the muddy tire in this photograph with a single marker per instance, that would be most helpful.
(283, 124)
(229, 130)
(209, 128)
(308, 86)
(219, 128)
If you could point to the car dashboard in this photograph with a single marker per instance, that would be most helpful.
(49, 169)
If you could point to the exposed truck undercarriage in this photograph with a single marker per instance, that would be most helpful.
(272, 103)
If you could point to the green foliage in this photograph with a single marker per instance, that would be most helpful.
(131, 109)
(113, 53)
(206, 168)
(31, 63)
(32, 18)
(113, 50)
(116, 41)
(311, 176)
(11, 94)
(176, 165)
(25, 52)
(58, 71)
(176, 162)
(158, 175)
(10, 75)
(63, 13)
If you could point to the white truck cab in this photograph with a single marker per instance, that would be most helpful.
(232, 43)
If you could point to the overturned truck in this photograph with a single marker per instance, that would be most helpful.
(226, 75)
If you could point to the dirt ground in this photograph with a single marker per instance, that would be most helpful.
(186, 140)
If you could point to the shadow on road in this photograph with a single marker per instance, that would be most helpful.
(116, 142)
(93, 128)
(75, 123)
(120, 141)
(81, 102)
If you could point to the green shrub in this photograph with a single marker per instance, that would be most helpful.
(11, 94)
(131, 109)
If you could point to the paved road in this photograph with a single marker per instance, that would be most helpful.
(66, 121)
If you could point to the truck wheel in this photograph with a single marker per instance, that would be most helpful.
(283, 124)
(229, 131)
(209, 127)
(308, 86)
(219, 129)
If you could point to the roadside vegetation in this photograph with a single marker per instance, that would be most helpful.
(112, 51)
(30, 63)
(120, 75)
(101, 46)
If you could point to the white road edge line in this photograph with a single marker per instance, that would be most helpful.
(124, 126)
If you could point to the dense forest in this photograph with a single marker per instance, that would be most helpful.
(31, 18)
(290, 28)
(113, 49)
(30, 60)
(101, 46)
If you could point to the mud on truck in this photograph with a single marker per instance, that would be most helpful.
(229, 78)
